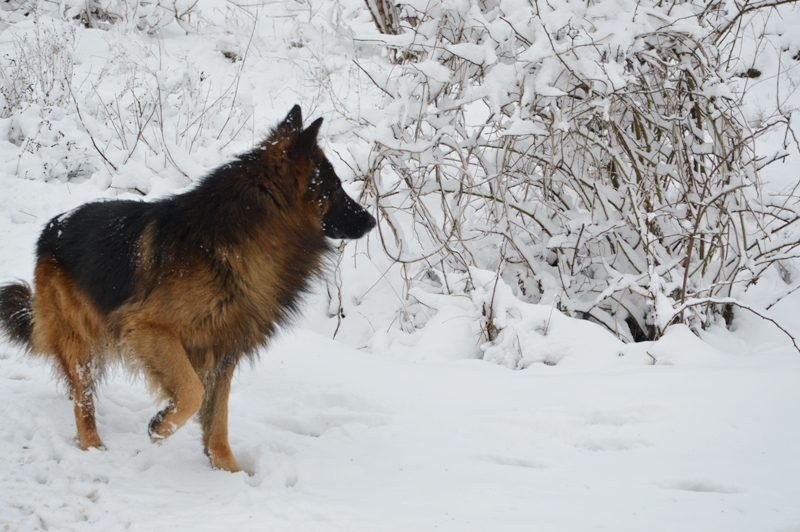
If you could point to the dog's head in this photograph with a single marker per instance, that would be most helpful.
(340, 216)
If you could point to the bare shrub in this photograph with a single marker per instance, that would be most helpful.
(146, 15)
(40, 69)
(153, 117)
(140, 107)
(36, 96)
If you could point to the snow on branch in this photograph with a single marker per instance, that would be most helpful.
(595, 156)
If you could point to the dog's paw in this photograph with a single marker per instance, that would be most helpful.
(158, 429)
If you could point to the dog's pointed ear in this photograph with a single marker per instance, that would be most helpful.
(306, 141)
(293, 121)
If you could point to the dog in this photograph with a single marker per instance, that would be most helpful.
(184, 288)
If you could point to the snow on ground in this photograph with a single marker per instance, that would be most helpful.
(339, 439)
(380, 429)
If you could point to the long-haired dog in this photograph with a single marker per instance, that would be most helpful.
(184, 288)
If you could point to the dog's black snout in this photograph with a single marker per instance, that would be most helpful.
(370, 223)
(345, 218)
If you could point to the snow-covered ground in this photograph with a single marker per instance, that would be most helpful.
(339, 439)
(381, 428)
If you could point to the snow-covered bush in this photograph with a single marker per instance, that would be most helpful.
(146, 15)
(36, 98)
(599, 165)
(125, 114)
(40, 70)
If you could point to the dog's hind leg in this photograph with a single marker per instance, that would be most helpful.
(161, 355)
(214, 419)
(78, 369)
(75, 364)
(63, 327)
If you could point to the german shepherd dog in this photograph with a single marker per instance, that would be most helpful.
(183, 288)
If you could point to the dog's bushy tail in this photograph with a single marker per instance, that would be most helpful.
(16, 313)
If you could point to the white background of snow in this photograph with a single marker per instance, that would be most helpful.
(391, 430)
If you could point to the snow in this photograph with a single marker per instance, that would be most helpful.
(340, 439)
(405, 421)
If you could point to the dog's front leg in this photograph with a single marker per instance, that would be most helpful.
(214, 419)
(161, 355)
